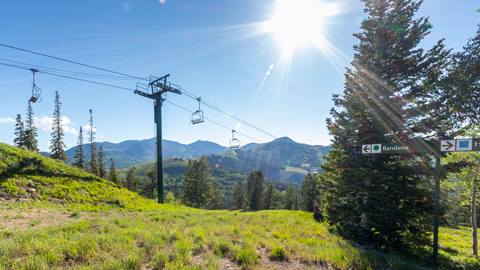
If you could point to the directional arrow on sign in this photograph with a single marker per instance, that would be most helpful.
(367, 148)
(447, 145)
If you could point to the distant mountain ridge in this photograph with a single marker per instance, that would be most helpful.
(280, 159)
(133, 152)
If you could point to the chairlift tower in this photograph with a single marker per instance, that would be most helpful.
(158, 87)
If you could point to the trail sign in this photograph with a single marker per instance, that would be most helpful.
(447, 145)
(366, 149)
(376, 148)
(460, 145)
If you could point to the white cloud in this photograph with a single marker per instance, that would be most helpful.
(45, 124)
(162, 2)
(126, 6)
(7, 120)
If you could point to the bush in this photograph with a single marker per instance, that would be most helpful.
(278, 254)
(246, 257)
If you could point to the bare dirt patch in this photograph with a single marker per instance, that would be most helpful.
(22, 219)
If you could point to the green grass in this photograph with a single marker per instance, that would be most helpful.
(75, 220)
(25, 175)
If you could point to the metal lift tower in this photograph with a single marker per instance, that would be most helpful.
(158, 87)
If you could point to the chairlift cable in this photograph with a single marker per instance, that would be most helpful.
(187, 93)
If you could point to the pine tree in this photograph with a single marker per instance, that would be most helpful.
(79, 157)
(151, 185)
(31, 142)
(130, 181)
(291, 198)
(239, 196)
(93, 151)
(197, 183)
(215, 198)
(57, 146)
(255, 190)
(269, 196)
(380, 199)
(19, 140)
(462, 87)
(112, 174)
(309, 192)
(101, 162)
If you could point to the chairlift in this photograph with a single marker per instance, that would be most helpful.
(197, 116)
(234, 142)
(36, 92)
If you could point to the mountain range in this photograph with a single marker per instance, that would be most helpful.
(280, 159)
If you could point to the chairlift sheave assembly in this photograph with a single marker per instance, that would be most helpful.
(36, 91)
(197, 116)
(234, 142)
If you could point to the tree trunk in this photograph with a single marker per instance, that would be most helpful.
(474, 217)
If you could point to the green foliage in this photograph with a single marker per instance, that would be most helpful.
(31, 141)
(130, 180)
(382, 200)
(30, 176)
(79, 156)
(239, 196)
(19, 140)
(101, 163)
(93, 148)
(255, 188)
(112, 173)
(57, 145)
(278, 254)
(246, 257)
(291, 198)
(309, 192)
(197, 184)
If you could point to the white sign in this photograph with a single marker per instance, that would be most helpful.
(371, 149)
(366, 149)
(448, 145)
(464, 145)
(376, 148)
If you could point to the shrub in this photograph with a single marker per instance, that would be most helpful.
(246, 257)
(278, 254)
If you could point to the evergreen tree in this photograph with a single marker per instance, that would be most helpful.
(309, 192)
(291, 198)
(215, 198)
(79, 157)
(461, 88)
(380, 199)
(93, 149)
(255, 190)
(57, 146)
(31, 142)
(151, 184)
(112, 174)
(268, 197)
(197, 183)
(101, 163)
(130, 181)
(239, 196)
(19, 140)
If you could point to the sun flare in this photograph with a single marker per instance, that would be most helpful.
(299, 23)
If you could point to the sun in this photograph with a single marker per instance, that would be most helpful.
(299, 23)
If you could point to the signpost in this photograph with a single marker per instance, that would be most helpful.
(432, 147)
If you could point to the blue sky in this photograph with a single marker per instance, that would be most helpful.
(211, 48)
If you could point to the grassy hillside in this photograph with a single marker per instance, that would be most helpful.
(27, 176)
(69, 219)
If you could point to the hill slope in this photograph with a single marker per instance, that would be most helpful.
(26, 176)
(150, 236)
